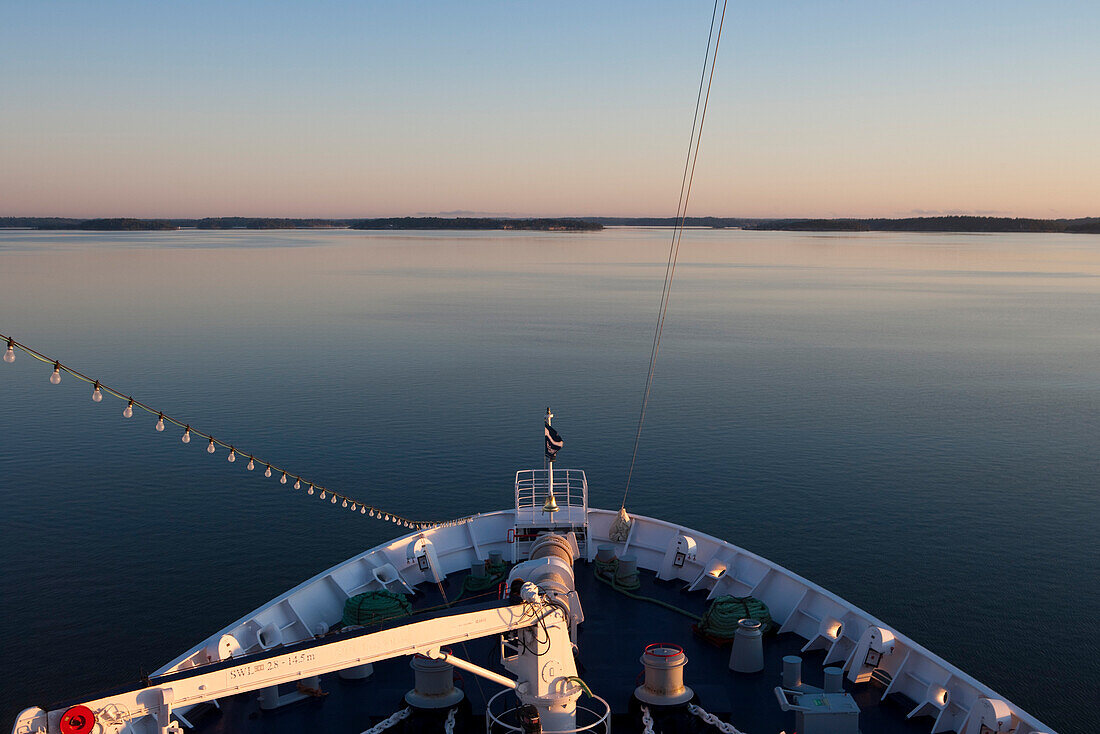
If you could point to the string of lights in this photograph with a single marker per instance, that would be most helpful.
(271, 470)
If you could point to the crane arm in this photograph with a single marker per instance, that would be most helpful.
(283, 665)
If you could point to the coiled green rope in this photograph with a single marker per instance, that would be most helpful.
(723, 614)
(372, 607)
(475, 585)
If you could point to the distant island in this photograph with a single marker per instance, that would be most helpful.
(136, 225)
(934, 224)
(125, 225)
(1085, 225)
(542, 225)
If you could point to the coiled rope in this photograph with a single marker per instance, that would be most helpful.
(373, 607)
(720, 620)
(495, 573)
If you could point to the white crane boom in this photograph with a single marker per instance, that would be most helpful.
(217, 680)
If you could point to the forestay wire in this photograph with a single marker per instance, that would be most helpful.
(270, 468)
(702, 97)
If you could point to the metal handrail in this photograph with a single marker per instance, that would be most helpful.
(604, 718)
(532, 488)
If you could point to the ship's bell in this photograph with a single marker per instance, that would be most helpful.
(551, 504)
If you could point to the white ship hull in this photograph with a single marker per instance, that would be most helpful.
(951, 698)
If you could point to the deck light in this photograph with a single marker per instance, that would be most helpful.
(162, 420)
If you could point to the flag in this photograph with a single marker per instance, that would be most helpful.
(553, 442)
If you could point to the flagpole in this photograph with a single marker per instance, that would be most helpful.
(553, 443)
(550, 463)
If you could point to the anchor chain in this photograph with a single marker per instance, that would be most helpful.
(713, 720)
(381, 726)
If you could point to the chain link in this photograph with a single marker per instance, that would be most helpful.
(449, 724)
(647, 720)
(381, 726)
(713, 720)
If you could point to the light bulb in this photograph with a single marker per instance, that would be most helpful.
(372, 512)
(387, 517)
(128, 411)
(251, 464)
(282, 479)
(322, 491)
(9, 356)
(97, 396)
(363, 511)
(186, 437)
(353, 507)
(344, 504)
(334, 499)
(210, 447)
(309, 491)
(232, 456)
(160, 422)
(297, 484)
(268, 472)
(55, 378)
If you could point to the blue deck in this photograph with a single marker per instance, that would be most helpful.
(611, 639)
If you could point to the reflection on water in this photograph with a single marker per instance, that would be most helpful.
(909, 420)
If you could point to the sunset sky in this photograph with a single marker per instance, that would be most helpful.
(556, 108)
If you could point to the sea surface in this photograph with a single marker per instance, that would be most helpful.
(910, 420)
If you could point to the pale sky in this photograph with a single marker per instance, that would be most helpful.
(341, 109)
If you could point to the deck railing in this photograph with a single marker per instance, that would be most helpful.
(570, 489)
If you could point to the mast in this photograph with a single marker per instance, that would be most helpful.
(550, 463)
(551, 505)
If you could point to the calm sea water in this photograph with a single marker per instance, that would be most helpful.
(909, 420)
